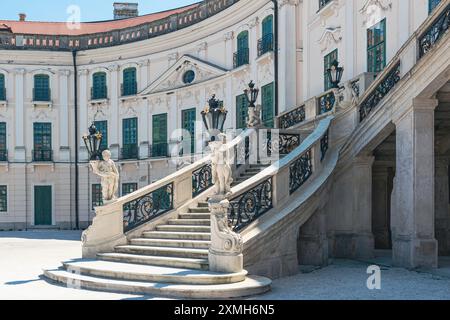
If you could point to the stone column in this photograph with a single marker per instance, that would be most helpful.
(412, 216)
(381, 207)
(64, 151)
(143, 130)
(362, 207)
(113, 138)
(228, 38)
(442, 206)
(253, 54)
(143, 67)
(83, 112)
(19, 115)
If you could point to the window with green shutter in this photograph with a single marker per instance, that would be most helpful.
(433, 4)
(102, 127)
(188, 118)
(2, 87)
(376, 47)
(327, 61)
(267, 105)
(265, 44)
(41, 91)
(129, 86)
(160, 145)
(42, 136)
(130, 149)
(3, 147)
(97, 198)
(241, 57)
(99, 88)
(241, 111)
(128, 188)
(3, 199)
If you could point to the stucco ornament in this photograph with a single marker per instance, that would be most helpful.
(254, 116)
(221, 168)
(106, 169)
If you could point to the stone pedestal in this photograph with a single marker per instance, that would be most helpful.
(225, 253)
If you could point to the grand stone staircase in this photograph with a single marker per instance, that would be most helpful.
(171, 260)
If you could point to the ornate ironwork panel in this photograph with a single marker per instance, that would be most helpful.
(324, 146)
(201, 180)
(290, 119)
(385, 86)
(148, 207)
(285, 144)
(356, 88)
(435, 32)
(242, 152)
(300, 171)
(249, 206)
(327, 102)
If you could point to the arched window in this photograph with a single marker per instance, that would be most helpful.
(41, 91)
(241, 57)
(2, 87)
(129, 86)
(99, 89)
(265, 44)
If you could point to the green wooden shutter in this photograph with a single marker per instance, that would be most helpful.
(241, 111)
(130, 131)
(376, 47)
(159, 136)
(267, 105)
(188, 122)
(42, 205)
(41, 87)
(102, 127)
(129, 82)
(267, 26)
(2, 135)
(3, 199)
(328, 59)
(42, 135)
(2, 88)
(99, 90)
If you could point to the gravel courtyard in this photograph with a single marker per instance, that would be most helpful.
(25, 254)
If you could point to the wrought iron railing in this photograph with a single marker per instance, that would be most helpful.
(300, 171)
(252, 204)
(43, 95)
(99, 93)
(201, 180)
(148, 207)
(380, 91)
(130, 151)
(241, 57)
(128, 90)
(324, 145)
(327, 102)
(42, 155)
(435, 32)
(292, 118)
(265, 44)
(284, 145)
(3, 155)
(242, 152)
(159, 150)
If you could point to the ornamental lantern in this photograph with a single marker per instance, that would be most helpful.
(251, 94)
(92, 142)
(214, 116)
(335, 74)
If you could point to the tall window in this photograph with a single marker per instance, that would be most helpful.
(2, 88)
(3, 199)
(327, 61)
(41, 91)
(241, 57)
(102, 127)
(128, 188)
(129, 86)
(188, 118)
(432, 4)
(97, 198)
(3, 149)
(130, 148)
(241, 111)
(265, 44)
(267, 105)
(42, 141)
(99, 89)
(160, 146)
(376, 47)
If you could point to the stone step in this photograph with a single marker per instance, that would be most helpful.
(202, 205)
(177, 235)
(137, 272)
(250, 286)
(195, 216)
(176, 262)
(163, 251)
(199, 210)
(183, 228)
(192, 222)
(176, 243)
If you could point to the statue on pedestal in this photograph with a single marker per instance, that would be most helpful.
(254, 116)
(107, 170)
(221, 168)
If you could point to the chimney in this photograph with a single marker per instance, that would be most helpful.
(22, 16)
(124, 10)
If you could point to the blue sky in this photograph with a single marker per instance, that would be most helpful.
(91, 10)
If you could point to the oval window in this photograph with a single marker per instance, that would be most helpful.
(189, 77)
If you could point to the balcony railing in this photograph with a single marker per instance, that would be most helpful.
(130, 151)
(265, 44)
(43, 95)
(241, 58)
(2, 94)
(99, 93)
(128, 90)
(3, 155)
(159, 150)
(42, 155)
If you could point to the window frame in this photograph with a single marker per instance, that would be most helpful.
(372, 48)
(327, 60)
(96, 199)
(129, 86)
(5, 200)
(41, 87)
(99, 91)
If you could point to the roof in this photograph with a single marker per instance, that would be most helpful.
(61, 28)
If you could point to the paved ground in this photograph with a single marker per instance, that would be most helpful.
(23, 255)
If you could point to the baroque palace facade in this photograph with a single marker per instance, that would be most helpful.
(383, 185)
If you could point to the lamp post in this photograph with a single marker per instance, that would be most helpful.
(214, 117)
(92, 142)
(335, 74)
(252, 94)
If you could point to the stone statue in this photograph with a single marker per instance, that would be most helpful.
(221, 168)
(254, 116)
(107, 170)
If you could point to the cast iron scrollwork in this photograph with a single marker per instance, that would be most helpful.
(300, 171)
(435, 32)
(285, 144)
(290, 119)
(327, 102)
(324, 146)
(201, 180)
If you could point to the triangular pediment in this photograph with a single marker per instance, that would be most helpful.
(173, 78)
